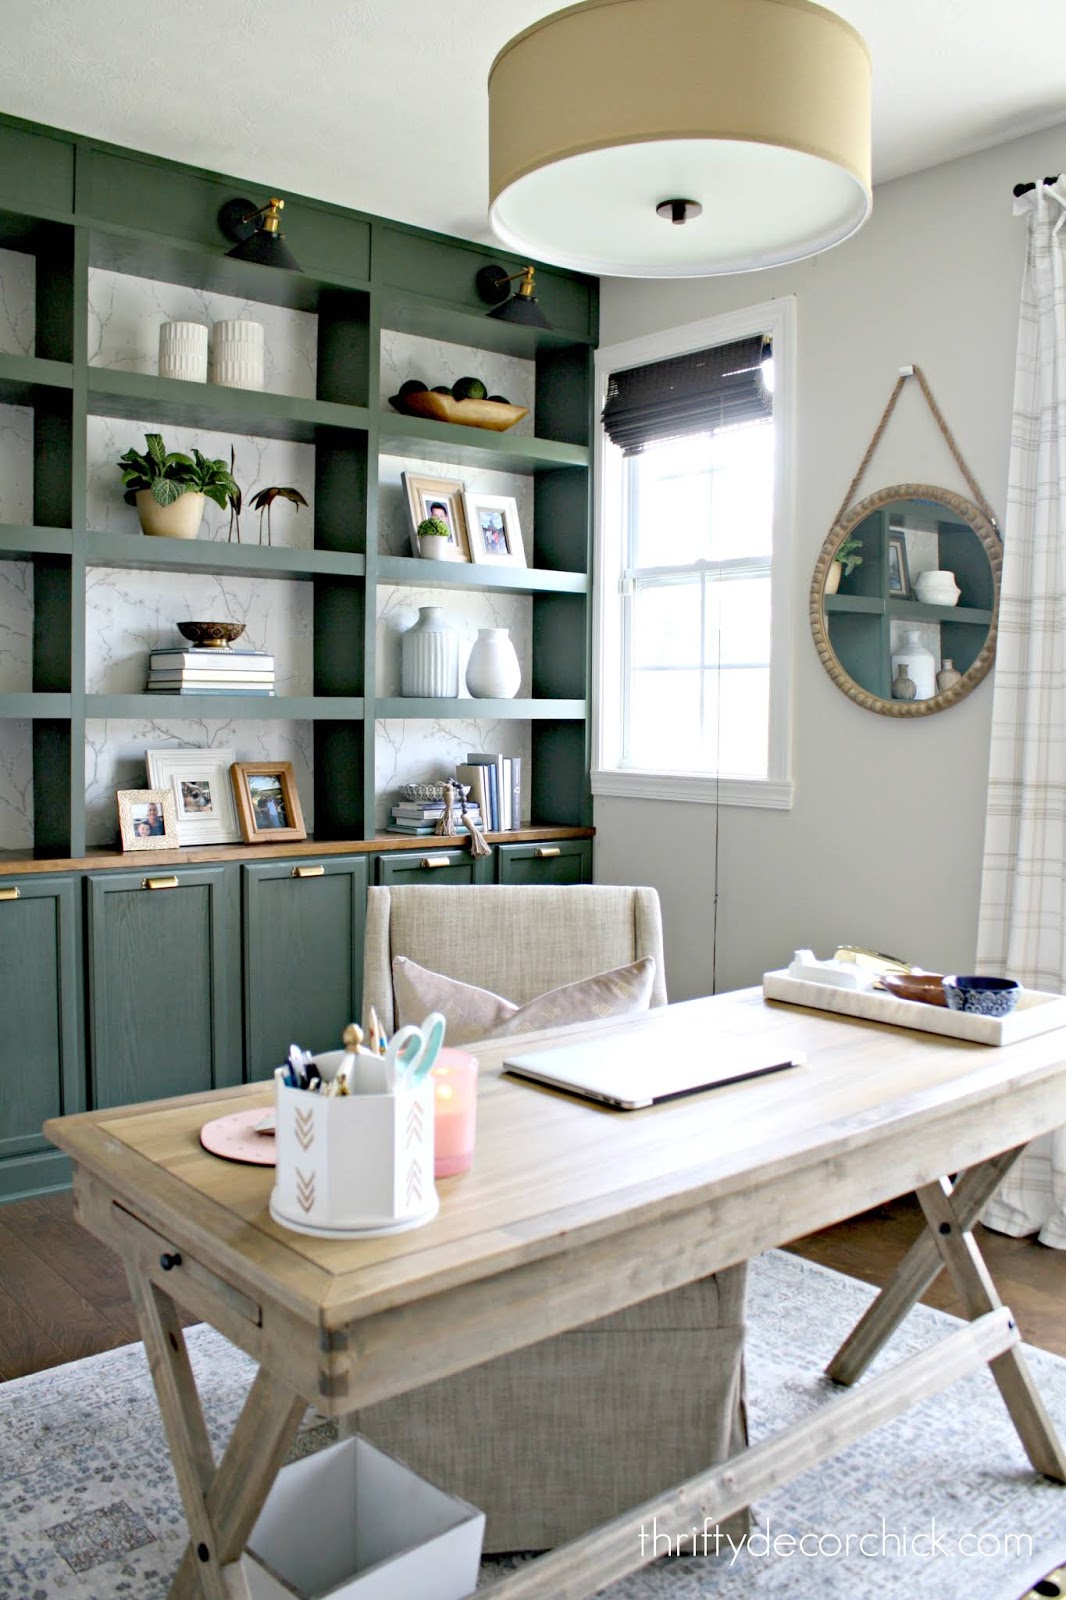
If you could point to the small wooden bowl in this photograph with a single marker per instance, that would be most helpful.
(471, 413)
(925, 987)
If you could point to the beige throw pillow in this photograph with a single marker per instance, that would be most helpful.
(472, 1013)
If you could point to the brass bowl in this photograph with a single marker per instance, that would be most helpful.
(926, 987)
(211, 635)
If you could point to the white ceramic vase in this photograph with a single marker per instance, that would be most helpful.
(937, 588)
(238, 354)
(430, 657)
(493, 671)
(920, 664)
(183, 351)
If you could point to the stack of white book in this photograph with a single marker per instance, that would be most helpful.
(202, 670)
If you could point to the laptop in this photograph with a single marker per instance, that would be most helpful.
(631, 1071)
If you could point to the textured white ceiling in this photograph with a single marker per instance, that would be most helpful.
(381, 104)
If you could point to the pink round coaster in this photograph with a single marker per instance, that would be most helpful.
(234, 1137)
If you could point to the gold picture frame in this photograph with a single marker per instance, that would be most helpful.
(147, 819)
(429, 497)
(493, 529)
(268, 803)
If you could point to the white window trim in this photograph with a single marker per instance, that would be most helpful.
(778, 319)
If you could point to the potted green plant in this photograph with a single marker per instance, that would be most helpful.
(845, 560)
(433, 537)
(169, 488)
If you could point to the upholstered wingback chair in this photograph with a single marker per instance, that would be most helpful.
(565, 1434)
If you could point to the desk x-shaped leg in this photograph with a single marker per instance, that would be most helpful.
(950, 1212)
(221, 1505)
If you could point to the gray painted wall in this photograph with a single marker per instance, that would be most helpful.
(883, 843)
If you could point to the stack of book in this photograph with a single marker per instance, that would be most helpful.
(421, 817)
(206, 671)
(496, 784)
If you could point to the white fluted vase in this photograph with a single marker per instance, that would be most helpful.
(183, 351)
(493, 671)
(430, 657)
(238, 356)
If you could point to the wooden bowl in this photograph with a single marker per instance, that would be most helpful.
(926, 987)
(211, 635)
(471, 413)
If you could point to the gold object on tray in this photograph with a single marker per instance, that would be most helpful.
(872, 960)
(472, 413)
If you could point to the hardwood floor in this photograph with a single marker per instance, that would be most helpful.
(63, 1295)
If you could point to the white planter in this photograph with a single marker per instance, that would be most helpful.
(237, 355)
(493, 671)
(920, 664)
(431, 547)
(936, 588)
(179, 520)
(430, 657)
(183, 351)
(354, 1164)
(352, 1523)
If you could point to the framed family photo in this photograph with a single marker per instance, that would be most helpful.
(899, 578)
(268, 806)
(441, 498)
(199, 781)
(495, 536)
(146, 819)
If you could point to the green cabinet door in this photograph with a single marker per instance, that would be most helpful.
(565, 861)
(164, 982)
(41, 1072)
(303, 955)
(434, 866)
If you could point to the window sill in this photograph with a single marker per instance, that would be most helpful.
(700, 789)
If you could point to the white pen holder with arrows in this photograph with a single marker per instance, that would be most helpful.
(359, 1164)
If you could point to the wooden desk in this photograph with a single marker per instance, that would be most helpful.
(573, 1211)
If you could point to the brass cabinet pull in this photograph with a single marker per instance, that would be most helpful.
(10, 894)
(545, 852)
(436, 861)
(308, 872)
(159, 883)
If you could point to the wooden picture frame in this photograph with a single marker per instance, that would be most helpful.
(199, 780)
(268, 805)
(899, 577)
(147, 819)
(429, 497)
(492, 526)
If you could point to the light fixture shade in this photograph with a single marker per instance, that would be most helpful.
(757, 110)
(266, 250)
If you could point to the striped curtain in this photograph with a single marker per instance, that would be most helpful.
(1022, 930)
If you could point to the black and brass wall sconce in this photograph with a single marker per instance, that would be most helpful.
(259, 241)
(521, 307)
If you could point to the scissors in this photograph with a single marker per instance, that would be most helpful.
(411, 1052)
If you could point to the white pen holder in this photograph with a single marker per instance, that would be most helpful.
(352, 1165)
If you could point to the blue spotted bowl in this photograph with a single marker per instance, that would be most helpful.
(988, 997)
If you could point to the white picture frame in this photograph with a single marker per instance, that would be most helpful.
(193, 777)
(493, 532)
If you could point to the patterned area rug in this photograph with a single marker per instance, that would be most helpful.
(940, 1503)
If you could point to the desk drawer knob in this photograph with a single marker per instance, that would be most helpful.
(547, 852)
(11, 893)
(309, 872)
(159, 883)
(436, 861)
(169, 1260)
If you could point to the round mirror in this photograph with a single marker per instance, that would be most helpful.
(905, 599)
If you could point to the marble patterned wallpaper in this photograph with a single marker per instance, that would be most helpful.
(125, 315)
(16, 786)
(260, 463)
(16, 464)
(408, 355)
(394, 516)
(16, 627)
(18, 275)
(114, 759)
(424, 752)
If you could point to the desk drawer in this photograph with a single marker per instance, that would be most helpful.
(193, 1286)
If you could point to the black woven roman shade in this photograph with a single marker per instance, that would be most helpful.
(693, 393)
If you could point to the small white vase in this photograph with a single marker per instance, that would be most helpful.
(920, 664)
(183, 351)
(237, 354)
(493, 672)
(430, 657)
(181, 519)
(937, 588)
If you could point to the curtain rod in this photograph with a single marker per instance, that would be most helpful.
(1023, 188)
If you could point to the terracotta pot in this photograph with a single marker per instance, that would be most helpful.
(180, 520)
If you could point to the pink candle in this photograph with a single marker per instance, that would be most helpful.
(455, 1099)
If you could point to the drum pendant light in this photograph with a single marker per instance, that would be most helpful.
(680, 138)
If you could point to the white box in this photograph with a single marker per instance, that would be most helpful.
(352, 1523)
(354, 1164)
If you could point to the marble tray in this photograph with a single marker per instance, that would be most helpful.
(1036, 1012)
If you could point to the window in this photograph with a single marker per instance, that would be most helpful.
(693, 635)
